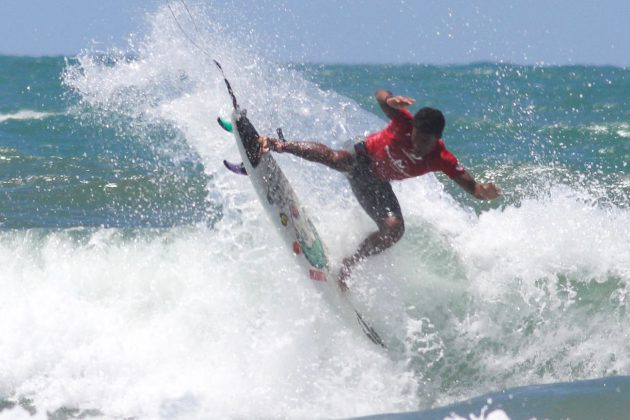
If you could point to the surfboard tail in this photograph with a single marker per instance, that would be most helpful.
(245, 133)
(248, 136)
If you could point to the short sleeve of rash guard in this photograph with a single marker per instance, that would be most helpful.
(450, 165)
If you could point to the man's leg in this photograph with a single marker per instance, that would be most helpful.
(375, 196)
(379, 201)
(339, 160)
(390, 231)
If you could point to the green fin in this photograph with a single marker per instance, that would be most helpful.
(227, 126)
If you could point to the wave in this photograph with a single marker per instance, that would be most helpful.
(26, 114)
(190, 321)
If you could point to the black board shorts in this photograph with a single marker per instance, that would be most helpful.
(375, 195)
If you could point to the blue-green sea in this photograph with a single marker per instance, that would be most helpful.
(141, 279)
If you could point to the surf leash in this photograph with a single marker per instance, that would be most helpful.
(369, 331)
(200, 47)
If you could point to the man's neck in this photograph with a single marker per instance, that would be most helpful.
(425, 148)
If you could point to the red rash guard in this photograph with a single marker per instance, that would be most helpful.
(390, 151)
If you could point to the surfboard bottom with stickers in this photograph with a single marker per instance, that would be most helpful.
(289, 218)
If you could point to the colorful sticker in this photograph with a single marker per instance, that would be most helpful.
(294, 211)
(296, 248)
(311, 244)
(315, 254)
(316, 275)
(284, 219)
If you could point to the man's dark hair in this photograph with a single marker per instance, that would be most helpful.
(429, 121)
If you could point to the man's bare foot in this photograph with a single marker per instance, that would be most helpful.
(268, 143)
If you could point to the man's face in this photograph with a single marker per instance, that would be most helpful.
(423, 143)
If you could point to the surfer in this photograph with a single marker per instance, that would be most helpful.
(409, 146)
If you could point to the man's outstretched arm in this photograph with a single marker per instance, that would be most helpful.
(391, 104)
(482, 191)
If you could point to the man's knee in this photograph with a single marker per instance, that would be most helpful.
(342, 160)
(393, 227)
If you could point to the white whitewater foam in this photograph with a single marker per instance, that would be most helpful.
(187, 322)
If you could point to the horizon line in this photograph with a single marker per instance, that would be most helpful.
(541, 64)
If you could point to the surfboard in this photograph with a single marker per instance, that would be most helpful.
(290, 219)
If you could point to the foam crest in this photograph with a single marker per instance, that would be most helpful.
(138, 324)
(544, 292)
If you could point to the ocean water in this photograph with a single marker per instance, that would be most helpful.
(140, 279)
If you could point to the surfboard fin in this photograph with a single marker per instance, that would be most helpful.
(237, 168)
(226, 125)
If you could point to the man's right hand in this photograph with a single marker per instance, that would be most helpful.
(392, 104)
(399, 102)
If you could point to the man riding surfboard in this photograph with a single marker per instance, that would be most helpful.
(409, 146)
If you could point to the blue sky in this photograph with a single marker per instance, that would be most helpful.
(352, 31)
